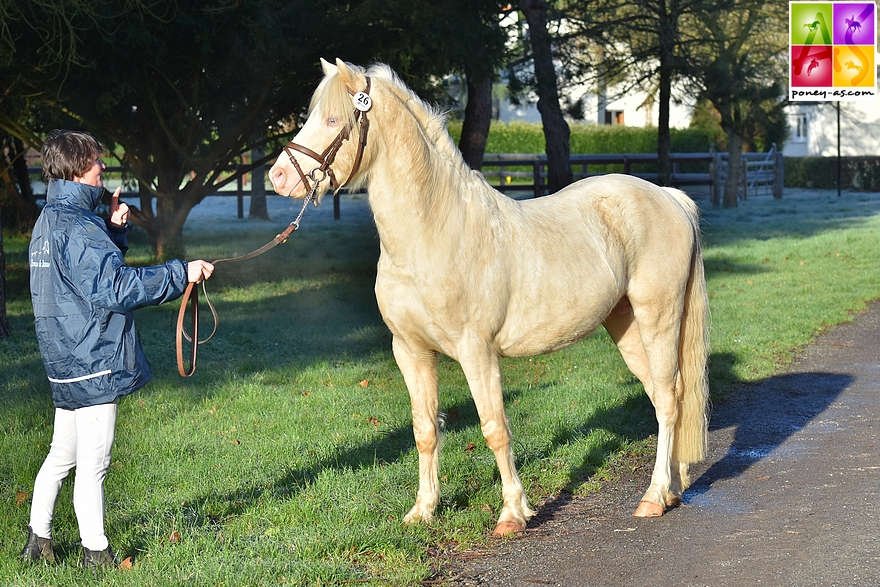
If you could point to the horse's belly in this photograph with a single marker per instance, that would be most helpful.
(522, 337)
(532, 312)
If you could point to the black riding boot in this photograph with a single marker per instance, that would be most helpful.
(37, 548)
(93, 559)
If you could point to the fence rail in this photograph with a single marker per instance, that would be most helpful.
(510, 172)
(507, 174)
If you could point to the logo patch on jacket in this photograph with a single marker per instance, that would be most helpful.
(41, 258)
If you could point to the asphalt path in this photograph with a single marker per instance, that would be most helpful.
(787, 497)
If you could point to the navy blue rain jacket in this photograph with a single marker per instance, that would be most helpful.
(84, 297)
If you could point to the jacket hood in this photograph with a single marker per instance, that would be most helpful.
(72, 193)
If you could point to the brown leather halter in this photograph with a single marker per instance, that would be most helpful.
(363, 103)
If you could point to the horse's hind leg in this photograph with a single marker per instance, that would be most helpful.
(657, 372)
(419, 368)
(482, 370)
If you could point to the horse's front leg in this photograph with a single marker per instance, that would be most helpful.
(482, 370)
(419, 368)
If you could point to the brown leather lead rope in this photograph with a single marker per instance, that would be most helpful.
(363, 104)
(191, 297)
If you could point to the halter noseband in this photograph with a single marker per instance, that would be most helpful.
(362, 103)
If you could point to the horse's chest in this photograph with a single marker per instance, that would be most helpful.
(427, 304)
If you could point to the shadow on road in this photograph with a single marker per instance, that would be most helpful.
(764, 415)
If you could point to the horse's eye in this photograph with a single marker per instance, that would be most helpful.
(331, 121)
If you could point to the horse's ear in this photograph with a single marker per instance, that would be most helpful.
(329, 68)
(345, 73)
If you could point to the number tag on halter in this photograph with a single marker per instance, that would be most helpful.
(362, 101)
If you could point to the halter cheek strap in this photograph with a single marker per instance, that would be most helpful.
(363, 103)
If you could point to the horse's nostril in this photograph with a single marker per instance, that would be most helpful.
(276, 176)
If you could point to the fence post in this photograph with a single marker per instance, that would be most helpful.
(537, 173)
(778, 175)
(240, 195)
(258, 207)
(714, 176)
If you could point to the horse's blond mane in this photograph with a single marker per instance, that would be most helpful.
(333, 97)
(430, 118)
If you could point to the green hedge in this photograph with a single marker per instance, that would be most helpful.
(528, 137)
(861, 173)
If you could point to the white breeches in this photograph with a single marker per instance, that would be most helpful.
(83, 439)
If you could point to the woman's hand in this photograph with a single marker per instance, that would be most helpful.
(119, 211)
(198, 270)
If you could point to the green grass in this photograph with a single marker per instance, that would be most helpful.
(288, 459)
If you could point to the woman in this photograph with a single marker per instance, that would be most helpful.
(84, 296)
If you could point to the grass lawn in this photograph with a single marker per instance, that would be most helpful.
(289, 458)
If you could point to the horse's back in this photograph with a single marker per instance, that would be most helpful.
(634, 212)
(652, 231)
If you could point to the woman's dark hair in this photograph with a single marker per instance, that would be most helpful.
(69, 153)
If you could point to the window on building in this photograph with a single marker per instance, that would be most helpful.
(614, 117)
(800, 128)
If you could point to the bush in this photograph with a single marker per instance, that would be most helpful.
(528, 137)
(861, 173)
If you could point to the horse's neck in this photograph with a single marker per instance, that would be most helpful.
(417, 193)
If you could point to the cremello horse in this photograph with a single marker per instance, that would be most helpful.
(475, 275)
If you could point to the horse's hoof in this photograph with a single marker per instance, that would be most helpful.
(648, 509)
(507, 528)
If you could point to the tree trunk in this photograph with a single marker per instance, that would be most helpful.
(664, 140)
(20, 205)
(477, 120)
(20, 170)
(734, 163)
(667, 37)
(164, 225)
(557, 135)
(167, 236)
(21, 196)
(5, 328)
(258, 208)
(146, 199)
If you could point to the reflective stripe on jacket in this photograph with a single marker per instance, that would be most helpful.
(84, 296)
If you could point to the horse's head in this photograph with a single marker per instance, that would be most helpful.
(327, 151)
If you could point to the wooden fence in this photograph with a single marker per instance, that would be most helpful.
(506, 172)
(762, 172)
(516, 172)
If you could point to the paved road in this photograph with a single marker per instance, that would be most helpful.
(787, 497)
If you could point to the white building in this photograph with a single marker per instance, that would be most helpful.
(813, 129)
(635, 108)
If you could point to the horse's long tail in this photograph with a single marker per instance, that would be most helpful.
(691, 429)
